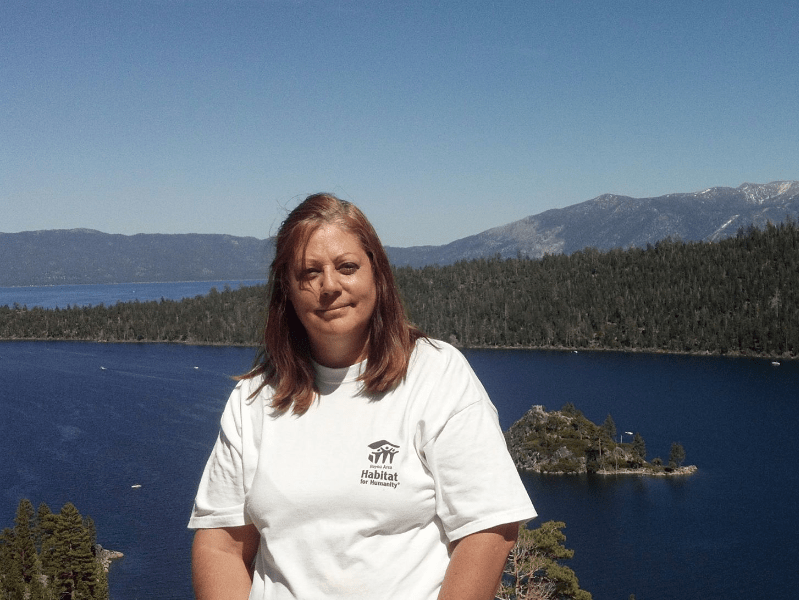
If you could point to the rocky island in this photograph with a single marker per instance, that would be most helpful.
(566, 442)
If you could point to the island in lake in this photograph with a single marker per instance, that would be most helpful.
(566, 442)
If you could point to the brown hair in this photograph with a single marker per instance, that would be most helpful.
(284, 357)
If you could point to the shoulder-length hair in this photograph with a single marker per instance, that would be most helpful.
(284, 356)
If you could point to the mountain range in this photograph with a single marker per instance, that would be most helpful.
(611, 221)
(84, 256)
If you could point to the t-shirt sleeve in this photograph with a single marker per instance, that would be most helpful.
(476, 483)
(220, 497)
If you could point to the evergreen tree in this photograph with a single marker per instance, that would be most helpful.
(676, 455)
(12, 586)
(44, 528)
(72, 568)
(549, 540)
(24, 546)
(609, 428)
(534, 570)
(37, 589)
(21, 569)
(100, 590)
(639, 446)
(50, 557)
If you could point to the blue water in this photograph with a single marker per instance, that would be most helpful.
(62, 296)
(727, 532)
(83, 422)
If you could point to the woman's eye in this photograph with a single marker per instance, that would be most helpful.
(348, 268)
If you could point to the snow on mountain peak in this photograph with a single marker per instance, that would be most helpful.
(760, 193)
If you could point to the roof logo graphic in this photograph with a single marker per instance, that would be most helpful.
(382, 451)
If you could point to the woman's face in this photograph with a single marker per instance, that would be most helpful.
(333, 293)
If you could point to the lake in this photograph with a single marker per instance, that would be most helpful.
(727, 532)
(83, 422)
(60, 296)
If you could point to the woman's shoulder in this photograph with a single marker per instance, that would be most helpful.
(251, 394)
(436, 351)
(442, 384)
(436, 357)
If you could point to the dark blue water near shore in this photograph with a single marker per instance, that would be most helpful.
(727, 532)
(84, 422)
(61, 296)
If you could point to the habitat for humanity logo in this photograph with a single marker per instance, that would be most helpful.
(381, 463)
(381, 451)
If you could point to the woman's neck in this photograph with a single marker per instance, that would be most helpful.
(336, 354)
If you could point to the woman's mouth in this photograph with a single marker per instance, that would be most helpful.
(332, 309)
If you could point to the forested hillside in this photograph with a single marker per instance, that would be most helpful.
(739, 295)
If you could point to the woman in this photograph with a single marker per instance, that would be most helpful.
(357, 460)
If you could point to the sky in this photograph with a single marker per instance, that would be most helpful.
(439, 119)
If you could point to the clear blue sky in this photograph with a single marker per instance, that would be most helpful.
(439, 119)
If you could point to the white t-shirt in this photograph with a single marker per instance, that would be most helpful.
(359, 497)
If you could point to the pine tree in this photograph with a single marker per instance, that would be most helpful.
(548, 539)
(50, 557)
(19, 561)
(45, 522)
(639, 446)
(533, 570)
(24, 547)
(609, 428)
(676, 455)
(72, 568)
(11, 584)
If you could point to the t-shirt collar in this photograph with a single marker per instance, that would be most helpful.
(337, 376)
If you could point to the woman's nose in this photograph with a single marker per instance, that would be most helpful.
(330, 283)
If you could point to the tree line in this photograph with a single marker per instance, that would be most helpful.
(739, 295)
(735, 296)
(226, 317)
(50, 556)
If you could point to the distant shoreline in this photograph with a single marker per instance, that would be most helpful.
(643, 472)
(52, 285)
(480, 347)
(634, 351)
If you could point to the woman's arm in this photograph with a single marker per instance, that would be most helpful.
(477, 562)
(221, 562)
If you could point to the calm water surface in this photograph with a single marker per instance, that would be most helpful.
(61, 296)
(83, 422)
(727, 532)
